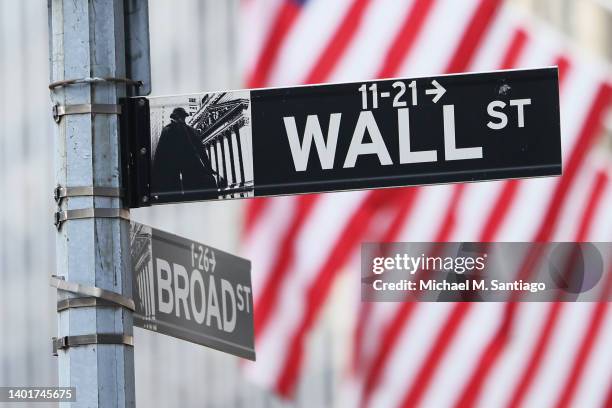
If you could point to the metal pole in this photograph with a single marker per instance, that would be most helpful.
(87, 40)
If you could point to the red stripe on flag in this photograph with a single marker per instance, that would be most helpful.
(493, 350)
(255, 207)
(480, 22)
(404, 210)
(608, 400)
(340, 252)
(405, 38)
(500, 209)
(517, 44)
(599, 186)
(389, 340)
(422, 379)
(450, 220)
(281, 25)
(340, 40)
(564, 65)
(279, 272)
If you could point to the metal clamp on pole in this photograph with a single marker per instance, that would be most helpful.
(93, 80)
(85, 108)
(60, 192)
(87, 339)
(82, 213)
(87, 301)
(92, 291)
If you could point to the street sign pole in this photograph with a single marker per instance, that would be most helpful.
(94, 344)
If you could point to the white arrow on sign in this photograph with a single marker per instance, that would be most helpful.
(439, 91)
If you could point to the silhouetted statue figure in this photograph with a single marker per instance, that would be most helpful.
(180, 163)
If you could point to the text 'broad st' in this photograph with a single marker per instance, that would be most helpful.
(191, 291)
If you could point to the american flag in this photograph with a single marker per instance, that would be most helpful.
(430, 354)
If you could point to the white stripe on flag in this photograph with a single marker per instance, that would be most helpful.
(368, 48)
(414, 340)
(474, 209)
(309, 36)
(439, 38)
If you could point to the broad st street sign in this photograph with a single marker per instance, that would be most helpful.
(372, 134)
(191, 291)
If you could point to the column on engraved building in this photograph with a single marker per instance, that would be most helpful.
(220, 158)
(212, 155)
(238, 153)
(226, 164)
(225, 149)
(230, 151)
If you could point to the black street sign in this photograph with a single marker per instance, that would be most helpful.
(372, 134)
(191, 291)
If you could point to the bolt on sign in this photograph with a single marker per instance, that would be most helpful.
(191, 291)
(318, 138)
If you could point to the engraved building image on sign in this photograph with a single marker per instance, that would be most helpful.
(201, 145)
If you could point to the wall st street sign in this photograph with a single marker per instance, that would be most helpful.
(191, 291)
(372, 134)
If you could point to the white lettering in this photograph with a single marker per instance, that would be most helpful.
(226, 288)
(240, 304)
(301, 153)
(196, 277)
(212, 308)
(450, 147)
(366, 122)
(406, 155)
(181, 292)
(520, 104)
(164, 285)
(247, 291)
(503, 118)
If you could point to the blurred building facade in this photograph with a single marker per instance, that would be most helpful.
(194, 48)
